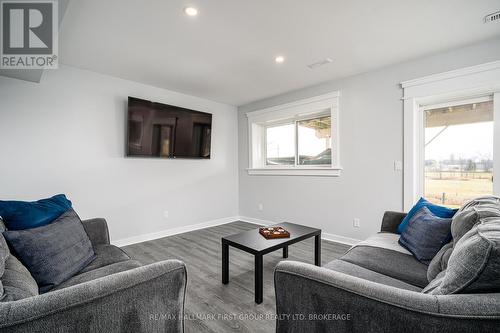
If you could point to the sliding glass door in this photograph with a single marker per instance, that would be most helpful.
(458, 150)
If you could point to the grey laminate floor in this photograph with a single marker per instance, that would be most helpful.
(210, 305)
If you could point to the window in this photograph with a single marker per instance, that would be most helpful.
(313, 137)
(458, 150)
(452, 135)
(299, 138)
(315, 141)
(280, 145)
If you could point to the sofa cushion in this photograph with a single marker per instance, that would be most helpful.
(99, 273)
(471, 213)
(439, 211)
(18, 215)
(439, 262)
(2, 225)
(474, 265)
(464, 220)
(105, 255)
(363, 273)
(390, 263)
(425, 235)
(384, 240)
(55, 252)
(4, 253)
(17, 281)
(435, 283)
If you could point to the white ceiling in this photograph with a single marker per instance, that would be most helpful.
(227, 52)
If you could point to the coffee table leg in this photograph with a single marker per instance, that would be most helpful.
(225, 263)
(285, 252)
(317, 250)
(258, 278)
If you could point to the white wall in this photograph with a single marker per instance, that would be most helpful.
(371, 139)
(67, 135)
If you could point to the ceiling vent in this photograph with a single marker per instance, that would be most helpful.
(320, 63)
(494, 17)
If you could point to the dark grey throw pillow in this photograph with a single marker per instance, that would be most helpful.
(425, 235)
(55, 252)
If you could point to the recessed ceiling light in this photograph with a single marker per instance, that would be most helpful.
(191, 11)
(279, 59)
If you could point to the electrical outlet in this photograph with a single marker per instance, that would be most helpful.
(165, 214)
(356, 222)
(261, 207)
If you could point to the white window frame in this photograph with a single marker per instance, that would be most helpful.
(258, 121)
(470, 83)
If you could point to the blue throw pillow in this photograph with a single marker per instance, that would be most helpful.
(18, 215)
(439, 211)
(55, 252)
(426, 234)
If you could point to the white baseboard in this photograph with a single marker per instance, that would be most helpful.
(255, 221)
(339, 239)
(173, 231)
(213, 223)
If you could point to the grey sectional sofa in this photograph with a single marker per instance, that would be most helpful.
(376, 287)
(113, 294)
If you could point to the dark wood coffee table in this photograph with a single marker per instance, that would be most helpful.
(253, 242)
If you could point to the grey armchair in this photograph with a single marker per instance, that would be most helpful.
(113, 294)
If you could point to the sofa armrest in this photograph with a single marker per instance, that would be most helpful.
(391, 221)
(315, 299)
(97, 230)
(144, 299)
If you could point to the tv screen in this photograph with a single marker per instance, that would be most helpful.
(161, 130)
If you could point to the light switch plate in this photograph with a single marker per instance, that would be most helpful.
(398, 165)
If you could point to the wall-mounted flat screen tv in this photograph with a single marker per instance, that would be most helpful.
(161, 130)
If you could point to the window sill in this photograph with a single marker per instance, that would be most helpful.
(319, 172)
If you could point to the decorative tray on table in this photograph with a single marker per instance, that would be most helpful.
(274, 232)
